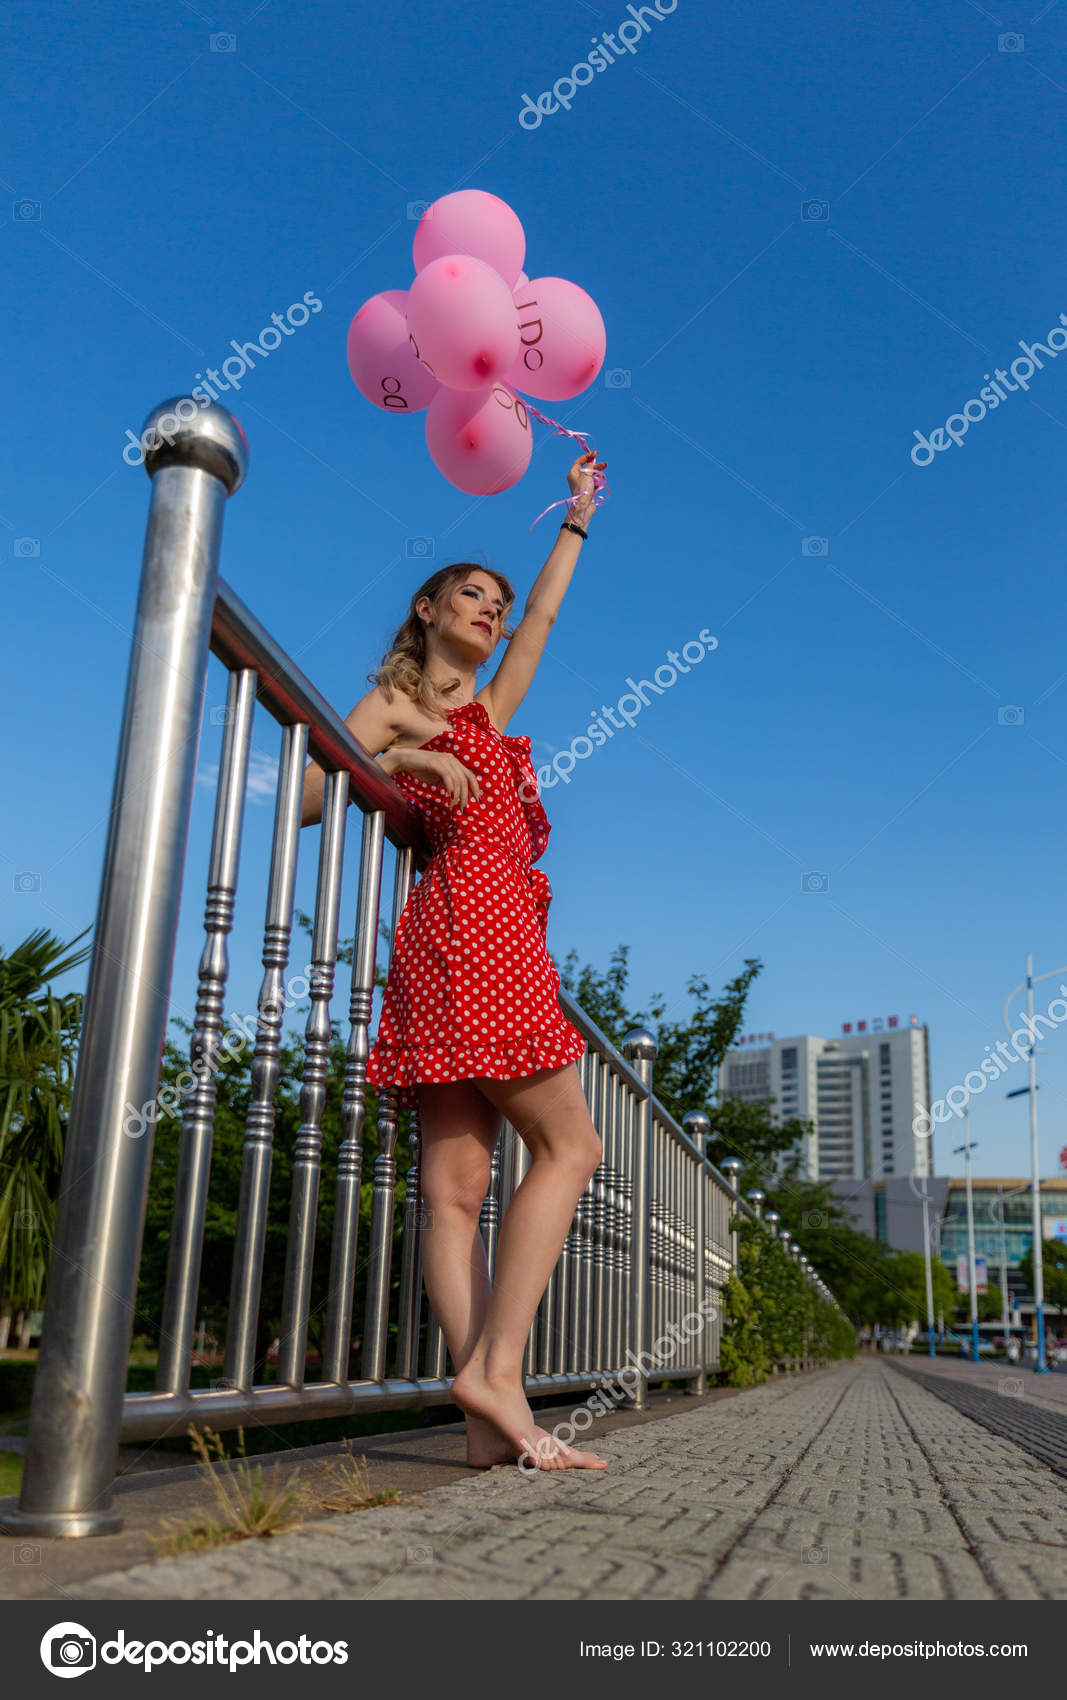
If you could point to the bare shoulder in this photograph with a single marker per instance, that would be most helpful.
(376, 722)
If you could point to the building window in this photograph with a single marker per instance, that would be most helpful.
(883, 1053)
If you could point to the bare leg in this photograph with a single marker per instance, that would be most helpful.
(458, 1130)
(549, 1111)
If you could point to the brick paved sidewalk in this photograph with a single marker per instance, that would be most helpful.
(852, 1483)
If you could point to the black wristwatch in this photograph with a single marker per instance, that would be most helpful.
(569, 525)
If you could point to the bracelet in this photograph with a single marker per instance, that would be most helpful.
(569, 525)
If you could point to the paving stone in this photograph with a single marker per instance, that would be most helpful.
(796, 1532)
(909, 1573)
(1024, 1572)
(813, 1493)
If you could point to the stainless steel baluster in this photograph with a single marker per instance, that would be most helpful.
(198, 1120)
(627, 1108)
(376, 1319)
(247, 1276)
(307, 1151)
(339, 1318)
(410, 1318)
(595, 1086)
(639, 1048)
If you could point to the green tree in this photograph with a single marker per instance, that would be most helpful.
(1054, 1269)
(38, 1041)
(689, 1054)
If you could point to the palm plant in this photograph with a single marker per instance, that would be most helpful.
(38, 1042)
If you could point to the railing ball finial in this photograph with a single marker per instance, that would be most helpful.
(772, 1220)
(698, 1126)
(182, 432)
(639, 1044)
(757, 1198)
(731, 1167)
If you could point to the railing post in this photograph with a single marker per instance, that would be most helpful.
(81, 1369)
(698, 1126)
(731, 1167)
(639, 1048)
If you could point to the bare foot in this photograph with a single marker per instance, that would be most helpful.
(551, 1453)
(486, 1446)
(503, 1406)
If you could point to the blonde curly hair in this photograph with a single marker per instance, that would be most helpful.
(402, 665)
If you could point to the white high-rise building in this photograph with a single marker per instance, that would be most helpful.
(858, 1091)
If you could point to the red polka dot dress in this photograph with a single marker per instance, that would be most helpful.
(471, 989)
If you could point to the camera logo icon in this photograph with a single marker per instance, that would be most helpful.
(27, 547)
(418, 209)
(419, 548)
(1010, 715)
(617, 378)
(68, 1649)
(26, 881)
(25, 210)
(815, 882)
(815, 546)
(1010, 43)
(223, 42)
(815, 212)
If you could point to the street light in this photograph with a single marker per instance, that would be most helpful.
(966, 1150)
(1040, 1367)
(932, 1348)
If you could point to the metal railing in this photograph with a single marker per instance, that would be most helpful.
(635, 1290)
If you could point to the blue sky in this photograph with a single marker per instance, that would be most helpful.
(770, 370)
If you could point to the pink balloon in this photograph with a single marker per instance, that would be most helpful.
(562, 339)
(472, 222)
(380, 357)
(482, 442)
(461, 316)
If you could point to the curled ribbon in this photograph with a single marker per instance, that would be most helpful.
(600, 483)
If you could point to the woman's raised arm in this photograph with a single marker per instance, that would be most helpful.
(521, 658)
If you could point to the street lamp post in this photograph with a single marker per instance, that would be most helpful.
(966, 1149)
(1004, 1318)
(931, 1346)
(1040, 1367)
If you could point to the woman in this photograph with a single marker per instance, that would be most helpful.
(471, 1028)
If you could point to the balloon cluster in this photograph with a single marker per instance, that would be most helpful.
(470, 334)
